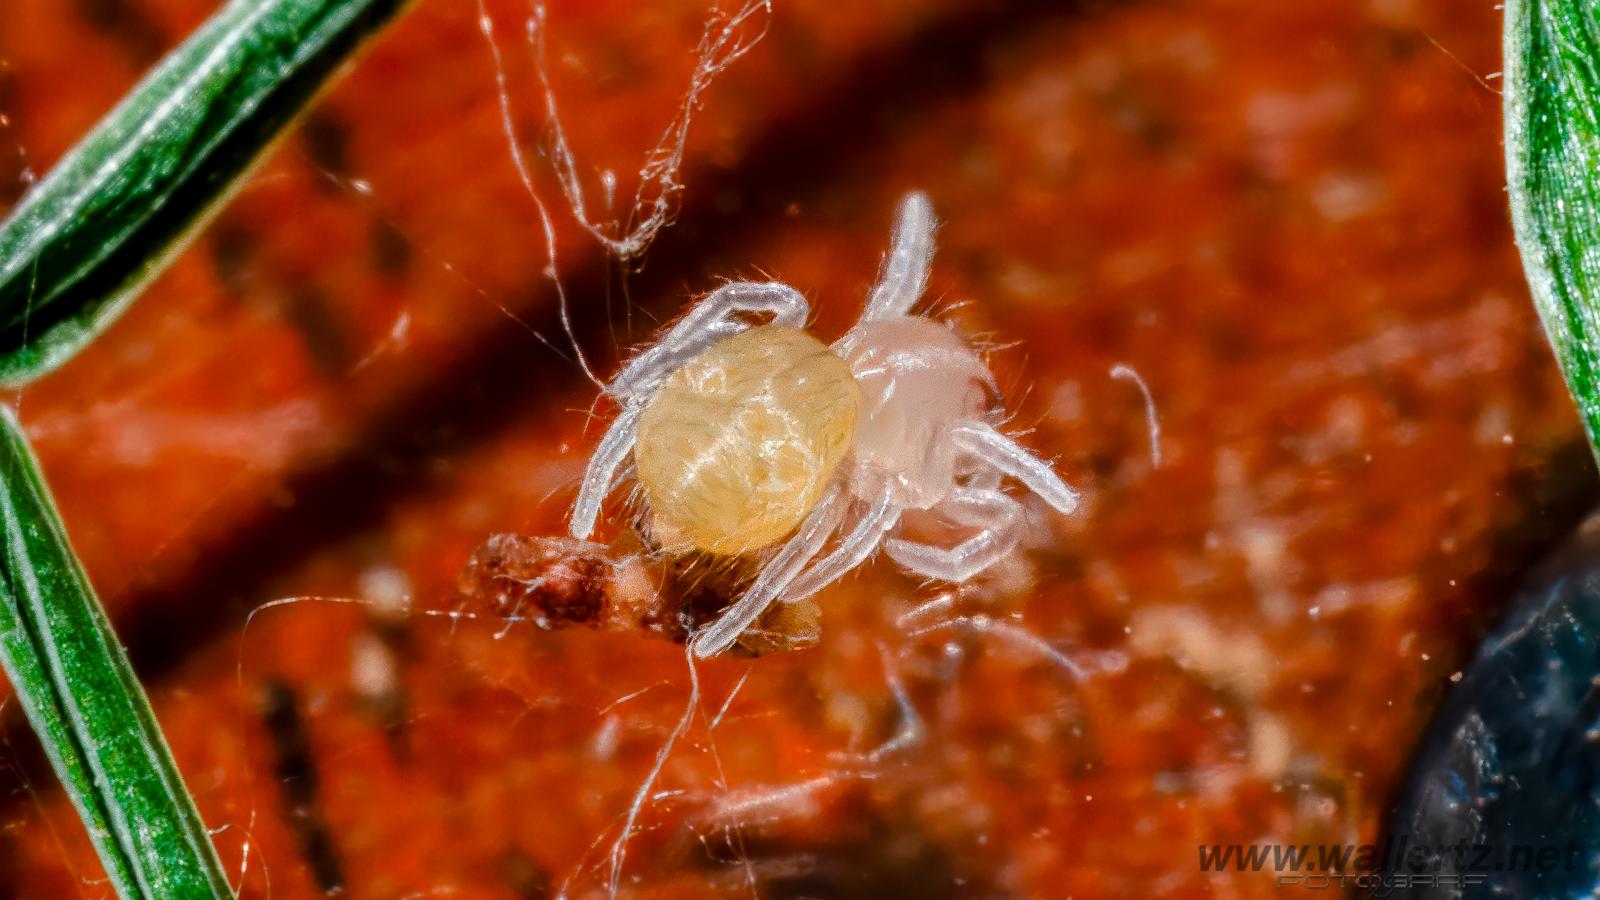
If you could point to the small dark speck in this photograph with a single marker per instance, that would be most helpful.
(391, 252)
(327, 145)
(1139, 113)
(524, 875)
(124, 22)
(231, 252)
(313, 316)
(1400, 44)
(298, 785)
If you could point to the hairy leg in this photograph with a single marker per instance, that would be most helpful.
(601, 474)
(774, 579)
(988, 445)
(852, 550)
(992, 512)
(710, 320)
(905, 270)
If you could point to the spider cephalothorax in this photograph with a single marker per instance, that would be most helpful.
(755, 438)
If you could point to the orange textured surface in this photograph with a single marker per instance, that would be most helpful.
(1287, 218)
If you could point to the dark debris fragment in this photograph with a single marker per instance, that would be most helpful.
(558, 582)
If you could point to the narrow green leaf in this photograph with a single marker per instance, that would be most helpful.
(1552, 132)
(73, 680)
(114, 211)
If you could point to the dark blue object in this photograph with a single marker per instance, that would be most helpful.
(1503, 798)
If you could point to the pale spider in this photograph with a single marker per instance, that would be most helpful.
(758, 439)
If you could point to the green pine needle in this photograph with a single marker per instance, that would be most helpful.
(73, 254)
(113, 212)
(74, 682)
(1552, 134)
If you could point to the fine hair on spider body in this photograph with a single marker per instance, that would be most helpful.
(750, 437)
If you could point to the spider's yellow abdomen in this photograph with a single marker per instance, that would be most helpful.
(739, 444)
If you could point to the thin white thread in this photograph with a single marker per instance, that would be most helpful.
(722, 43)
(1151, 419)
(1020, 637)
(619, 849)
(552, 269)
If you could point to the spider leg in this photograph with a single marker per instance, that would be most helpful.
(711, 319)
(987, 444)
(601, 474)
(774, 579)
(996, 515)
(852, 550)
(905, 270)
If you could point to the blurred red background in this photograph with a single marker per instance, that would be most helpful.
(1287, 218)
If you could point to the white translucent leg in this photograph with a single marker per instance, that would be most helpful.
(996, 517)
(773, 581)
(990, 446)
(710, 320)
(852, 551)
(601, 474)
(905, 270)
